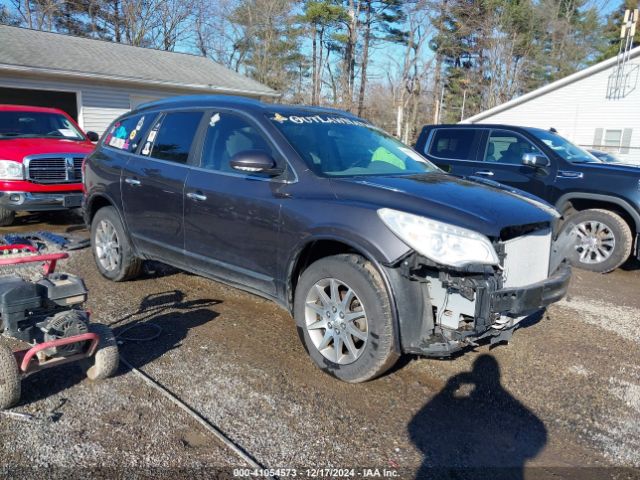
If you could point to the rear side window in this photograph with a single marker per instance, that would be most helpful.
(171, 138)
(455, 143)
(127, 133)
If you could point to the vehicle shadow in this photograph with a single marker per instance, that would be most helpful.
(474, 428)
(160, 324)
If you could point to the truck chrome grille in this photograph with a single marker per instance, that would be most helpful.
(527, 258)
(63, 169)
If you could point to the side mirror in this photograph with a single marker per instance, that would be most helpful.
(93, 136)
(535, 160)
(254, 161)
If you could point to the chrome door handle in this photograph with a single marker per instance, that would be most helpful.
(133, 182)
(196, 196)
(487, 173)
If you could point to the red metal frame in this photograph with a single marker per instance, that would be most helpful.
(19, 246)
(24, 357)
(49, 260)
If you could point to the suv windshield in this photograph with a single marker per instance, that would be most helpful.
(37, 124)
(338, 146)
(564, 148)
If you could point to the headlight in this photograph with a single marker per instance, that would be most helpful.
(10, 170)
(443, 243)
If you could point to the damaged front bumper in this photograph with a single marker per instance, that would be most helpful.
(459, 308)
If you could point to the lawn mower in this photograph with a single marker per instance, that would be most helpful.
(47, 314)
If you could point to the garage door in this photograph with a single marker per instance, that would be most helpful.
(65, 101)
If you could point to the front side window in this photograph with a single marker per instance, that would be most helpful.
(37, 124)
(455, 143)
(338, 146)
(507, 147)
(126, 134)
(563, 147)
(171, 137)
(228, 135)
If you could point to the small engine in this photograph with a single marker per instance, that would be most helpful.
(63, 325)
(47, 304)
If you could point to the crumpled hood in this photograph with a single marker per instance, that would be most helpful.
(482, 207)
(17, 148)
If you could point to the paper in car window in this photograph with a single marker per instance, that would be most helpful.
(67, 132)
(412, 155)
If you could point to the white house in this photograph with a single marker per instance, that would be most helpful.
(95, 81)
(598, 107)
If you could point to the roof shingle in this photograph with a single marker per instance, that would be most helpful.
(21, 47)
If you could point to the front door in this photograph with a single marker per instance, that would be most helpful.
(502, 162)
(153, 185)
(232, 219)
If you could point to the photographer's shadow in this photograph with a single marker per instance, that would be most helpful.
(474, 428)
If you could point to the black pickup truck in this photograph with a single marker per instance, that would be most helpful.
(601, 200)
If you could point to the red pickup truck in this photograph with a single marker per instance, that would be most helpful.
(41, 154)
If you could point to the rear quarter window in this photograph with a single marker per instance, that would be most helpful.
(127, 133)
(455, 143)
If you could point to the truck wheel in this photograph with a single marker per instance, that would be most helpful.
(112, 250)
(343, 315)
(6, 217)
(9, 378)
(104, 362)
(604, 240)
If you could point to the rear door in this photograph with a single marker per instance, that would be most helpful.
(455, 150)
(232, 219)
(153, 185)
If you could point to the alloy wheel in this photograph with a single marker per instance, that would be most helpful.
(336, 321)
(107, 246)
(595, 243)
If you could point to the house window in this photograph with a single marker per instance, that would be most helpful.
(612, 140)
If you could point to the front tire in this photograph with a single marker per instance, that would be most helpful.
(604, 240)
(112, 250)
(104, 363)
(343, 315)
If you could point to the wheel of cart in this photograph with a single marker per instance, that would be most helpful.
(48, 315)
(9, 378)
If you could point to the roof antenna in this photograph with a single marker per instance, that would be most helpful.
(619, 79)
(553, 130)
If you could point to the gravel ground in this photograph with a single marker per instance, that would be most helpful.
(562, 399)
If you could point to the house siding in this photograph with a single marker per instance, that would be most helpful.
(98, 103)
(582, 113)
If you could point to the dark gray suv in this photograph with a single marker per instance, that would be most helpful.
(373, 249)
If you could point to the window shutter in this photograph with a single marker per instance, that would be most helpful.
(597, 138)
(626, 140)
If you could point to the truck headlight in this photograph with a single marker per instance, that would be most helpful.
(443, 243)
(10, 170)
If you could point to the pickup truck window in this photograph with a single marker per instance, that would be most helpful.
(337, 146)
(227, 135)
(508, 147)
(455, 143)
(37, 124)
(567, 150)
(171, 138)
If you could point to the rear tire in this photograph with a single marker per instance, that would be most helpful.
(112, 250)
(9, 378)
(604, 240)
(355, 314)
(6, 217)
(104, 363)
